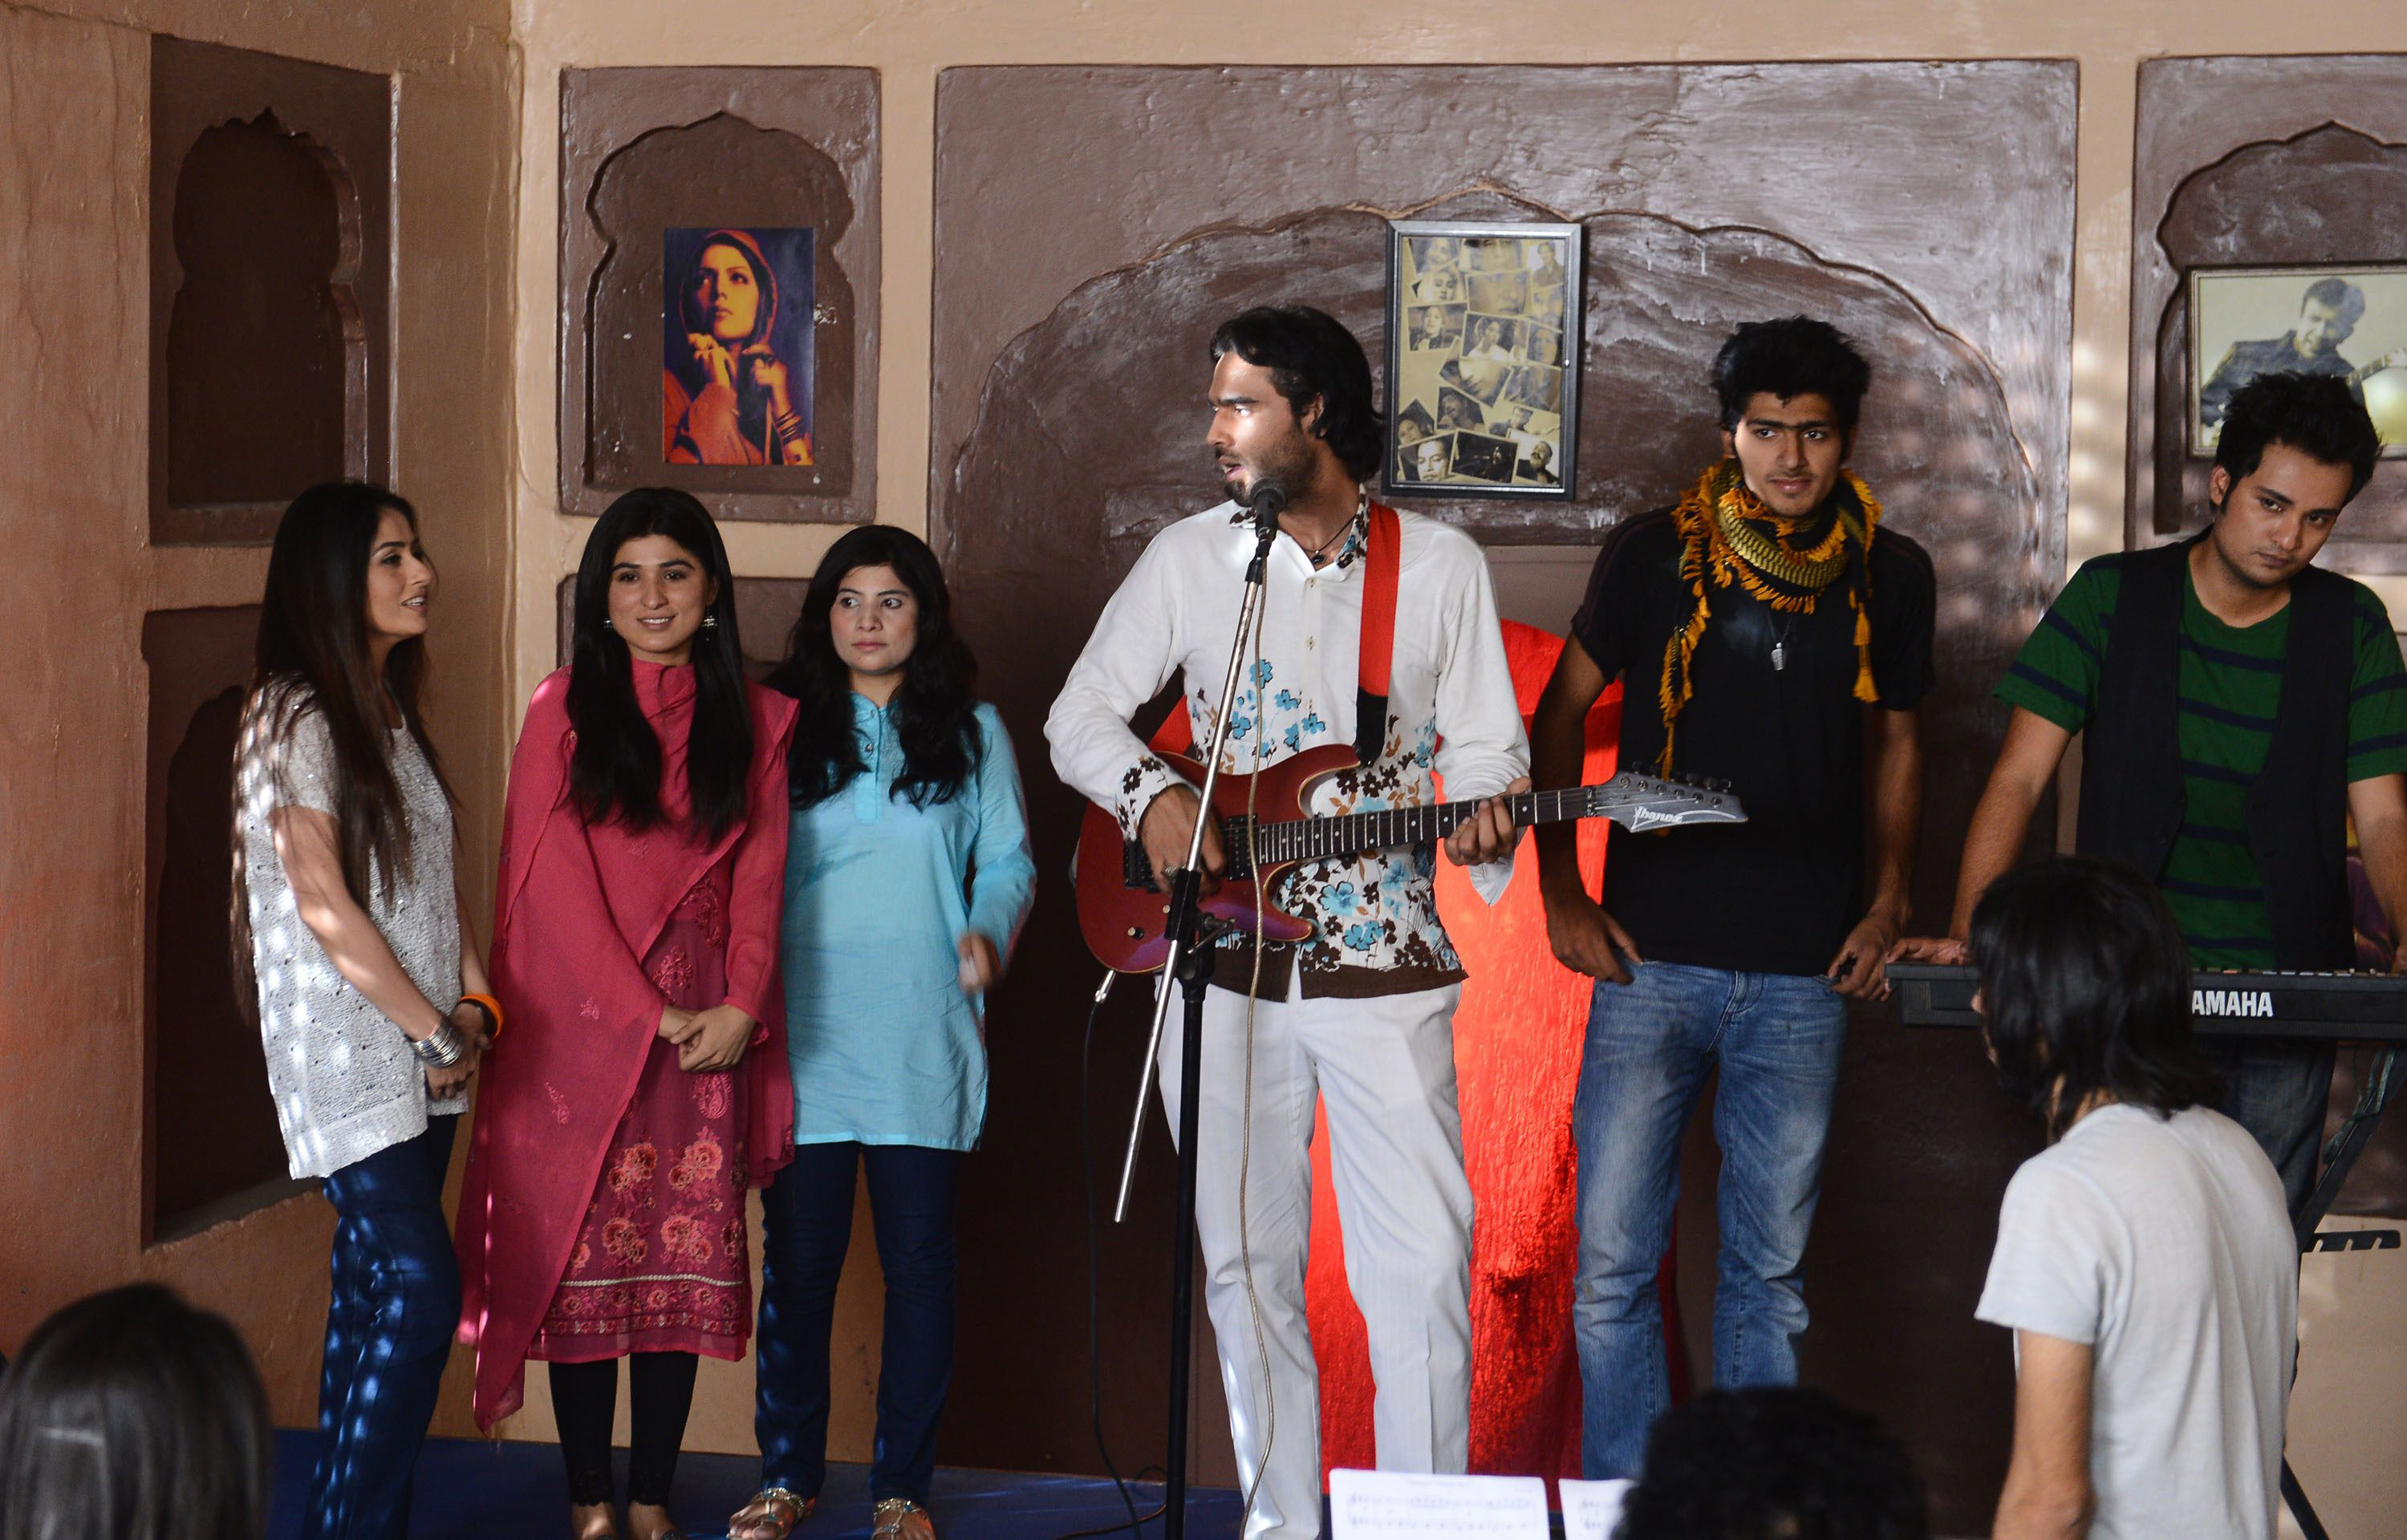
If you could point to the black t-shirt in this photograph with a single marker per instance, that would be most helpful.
(1779, 893)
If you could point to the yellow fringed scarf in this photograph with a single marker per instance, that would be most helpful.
(1723, 541)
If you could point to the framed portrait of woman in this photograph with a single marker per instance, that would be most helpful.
(1483, 339)
(736, 346)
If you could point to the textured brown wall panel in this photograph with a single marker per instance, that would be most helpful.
(1063, 444)
(644, 150)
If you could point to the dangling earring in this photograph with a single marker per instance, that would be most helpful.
(606, 624)
(709, 621)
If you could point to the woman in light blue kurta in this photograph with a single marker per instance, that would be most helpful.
(907, 876)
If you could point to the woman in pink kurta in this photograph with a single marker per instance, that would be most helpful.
(644, 1085)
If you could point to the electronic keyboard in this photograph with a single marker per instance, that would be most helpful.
(2359, 1007)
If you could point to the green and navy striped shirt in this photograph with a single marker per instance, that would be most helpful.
(2230, 691)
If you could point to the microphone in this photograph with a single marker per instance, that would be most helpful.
(1267, 500)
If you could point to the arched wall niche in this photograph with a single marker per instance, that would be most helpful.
(644, 151)
(271, 223)
(267, 354)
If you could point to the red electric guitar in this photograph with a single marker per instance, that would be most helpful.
(1122, 915)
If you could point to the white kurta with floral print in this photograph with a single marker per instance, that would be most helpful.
(1450, 712)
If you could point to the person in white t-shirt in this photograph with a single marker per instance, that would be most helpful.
(2145, 1261)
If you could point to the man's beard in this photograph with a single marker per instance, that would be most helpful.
(1289, 465)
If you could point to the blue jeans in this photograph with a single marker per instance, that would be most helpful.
(1775, 1038)
(2276, 1088)
(806, 1223)
(389, 1327)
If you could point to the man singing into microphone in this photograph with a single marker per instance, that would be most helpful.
(1362, 1012)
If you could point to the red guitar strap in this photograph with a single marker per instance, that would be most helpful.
(1380, 558)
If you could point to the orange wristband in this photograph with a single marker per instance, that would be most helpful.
(492, 1008)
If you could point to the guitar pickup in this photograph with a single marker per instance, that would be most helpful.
(1236, 838)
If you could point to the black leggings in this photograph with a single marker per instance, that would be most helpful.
(585, 1400)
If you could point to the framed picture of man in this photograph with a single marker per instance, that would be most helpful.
(1483, 350)
(2350, 322)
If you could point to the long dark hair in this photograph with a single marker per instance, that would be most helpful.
(2085, 987)
(935, 708)
(313, 656)
(616, 771)
(132, 1415)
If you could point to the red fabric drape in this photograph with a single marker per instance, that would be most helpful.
(576, 910)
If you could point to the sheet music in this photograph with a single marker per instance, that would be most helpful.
(1399, 1506)
(1591, 1508)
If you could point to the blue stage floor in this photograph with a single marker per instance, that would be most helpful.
(473, 1490)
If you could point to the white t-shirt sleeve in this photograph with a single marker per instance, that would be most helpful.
(2051, 1270)
(305, 764)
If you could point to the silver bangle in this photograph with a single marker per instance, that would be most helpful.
(439, 1048)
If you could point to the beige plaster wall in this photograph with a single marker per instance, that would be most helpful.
(74, 515)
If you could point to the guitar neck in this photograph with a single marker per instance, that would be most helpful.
(1391, 829)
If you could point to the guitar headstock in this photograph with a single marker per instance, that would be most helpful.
(1641, 802)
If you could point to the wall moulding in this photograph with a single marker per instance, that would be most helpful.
(271, 230)
(648, 153)
(2255, 162)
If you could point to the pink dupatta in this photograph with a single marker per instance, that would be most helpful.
(576, 910)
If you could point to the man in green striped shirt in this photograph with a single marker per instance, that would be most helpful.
(2245, 708)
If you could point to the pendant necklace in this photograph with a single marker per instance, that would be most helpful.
(1780, 645)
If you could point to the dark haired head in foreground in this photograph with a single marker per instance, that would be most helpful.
(132, 1415)
(1773, 1462)
(2085, 990)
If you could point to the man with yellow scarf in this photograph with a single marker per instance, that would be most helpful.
(1769, 632)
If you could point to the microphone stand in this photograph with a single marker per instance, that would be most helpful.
(1192, 942)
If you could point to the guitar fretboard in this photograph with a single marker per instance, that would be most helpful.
(1390, 829)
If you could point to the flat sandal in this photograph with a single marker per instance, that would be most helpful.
(759, 1519)
(900, 1519)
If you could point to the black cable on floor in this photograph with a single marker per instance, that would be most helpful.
(1136, 1521)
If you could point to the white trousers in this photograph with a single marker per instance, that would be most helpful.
(1386, 1068)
